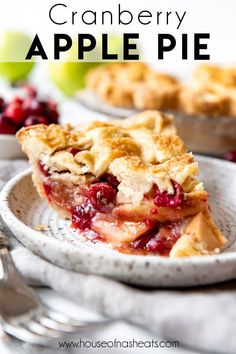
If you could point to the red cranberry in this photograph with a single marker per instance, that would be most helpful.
(82, 216)
(164, 240)
(2, 104)
(18, 100)
(158, 245)
(159, 241)
(43, 169)
(74, 151)
(7, 126)
(52, 105)
(102, 195)
(150, 223)
(34, 107)
(47, 189)
(32, 120)
(110, 179)
(53, 116)
(163, 199)
(31, 91)
(141, 241)
(52, 112)
(15, 112)
(230, 156)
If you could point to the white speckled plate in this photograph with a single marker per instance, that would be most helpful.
(22, 210)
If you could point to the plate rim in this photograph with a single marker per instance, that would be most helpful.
(9, 217)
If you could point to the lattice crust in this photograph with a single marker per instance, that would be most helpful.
(143, 148)
(134, 85)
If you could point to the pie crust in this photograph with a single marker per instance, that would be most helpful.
(211, 91)
(130, 183)
(135, 85)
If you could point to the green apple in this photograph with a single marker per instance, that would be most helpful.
(69, 77)
(13, 49)
(69, 74)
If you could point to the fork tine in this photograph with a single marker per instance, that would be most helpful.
(37, 328)
(26, 335)
(54, 325)
(61, 322)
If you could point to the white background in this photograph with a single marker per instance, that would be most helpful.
(214, 16)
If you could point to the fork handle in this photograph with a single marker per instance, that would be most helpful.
(10, 274)
(4, 242)
(6, 260)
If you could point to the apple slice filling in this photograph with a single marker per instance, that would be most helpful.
(151, 228)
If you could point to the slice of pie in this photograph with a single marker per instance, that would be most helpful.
(134, 84)
(130, 183)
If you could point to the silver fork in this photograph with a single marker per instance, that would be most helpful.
(23, 316)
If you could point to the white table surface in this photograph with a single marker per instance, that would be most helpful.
(72, 112)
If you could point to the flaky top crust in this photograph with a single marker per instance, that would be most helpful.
(139, 151)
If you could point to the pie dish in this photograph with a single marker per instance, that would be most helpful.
(134, 84)
(130, 183)
(211, 91)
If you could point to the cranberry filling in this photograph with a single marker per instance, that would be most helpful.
(82, 216)
(43, 169)
(110, 179)
(47, 189)
(74, 150)
(141, 241)
(163, 199)
(102, 196)
(161, 242)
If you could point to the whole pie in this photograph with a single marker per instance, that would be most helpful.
(135, 85)
(130, 184)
